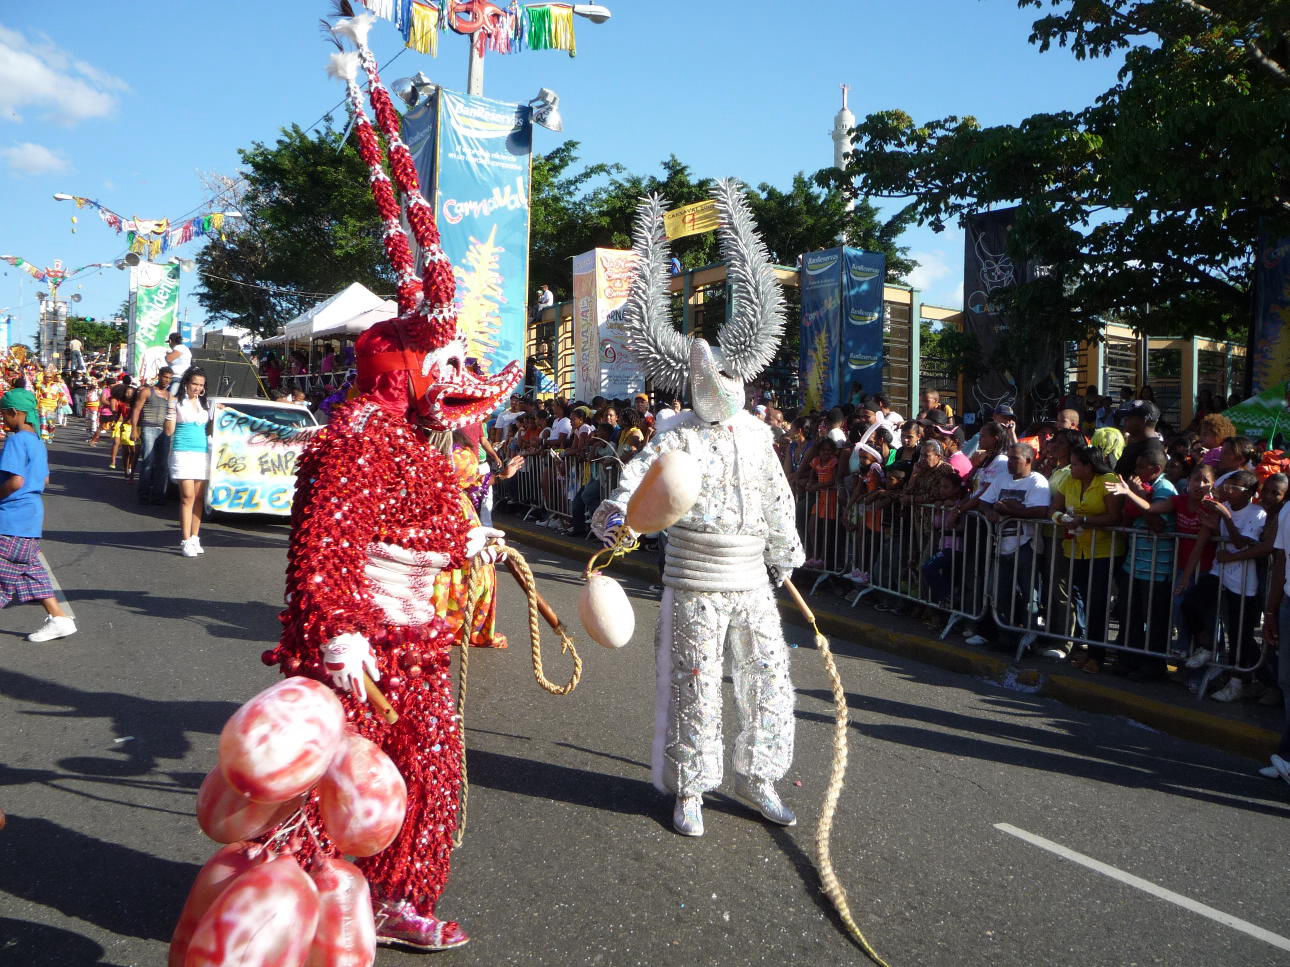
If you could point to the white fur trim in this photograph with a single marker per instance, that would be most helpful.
(354, 29)
(343, 66)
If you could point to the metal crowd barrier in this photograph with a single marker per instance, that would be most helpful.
(1015, 576)
(1009, 575)
(1129, 601)
(550, 480)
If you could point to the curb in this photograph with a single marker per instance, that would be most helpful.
(1192, 724)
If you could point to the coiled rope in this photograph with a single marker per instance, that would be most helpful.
(474, 594)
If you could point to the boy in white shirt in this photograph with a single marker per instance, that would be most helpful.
(1023, 495)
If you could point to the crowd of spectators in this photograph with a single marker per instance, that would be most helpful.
(1120, 545)
(1110, 541)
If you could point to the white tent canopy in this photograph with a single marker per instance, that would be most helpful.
(347, 313)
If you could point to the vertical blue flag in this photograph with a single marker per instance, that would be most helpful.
(862, 356)
(821, 328)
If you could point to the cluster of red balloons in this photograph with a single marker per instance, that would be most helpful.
(253, 904)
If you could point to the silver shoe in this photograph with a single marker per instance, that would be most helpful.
(687, 817)
(761, 795)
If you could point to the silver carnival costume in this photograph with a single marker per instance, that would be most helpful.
(739, 536)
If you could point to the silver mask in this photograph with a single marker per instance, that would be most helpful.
(717, 396)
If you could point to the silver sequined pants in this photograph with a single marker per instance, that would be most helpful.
(695, 631)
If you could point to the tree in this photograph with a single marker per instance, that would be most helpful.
(1147, 204)
(93, 335)
(572, 214)
(309, 228)
(555, 217)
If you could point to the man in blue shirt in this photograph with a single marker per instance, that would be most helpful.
(24, 470)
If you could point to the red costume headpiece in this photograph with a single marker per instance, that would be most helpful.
(418, 362)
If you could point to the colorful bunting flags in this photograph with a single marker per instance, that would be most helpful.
(505, 29)
(166, 234)
(55, 275)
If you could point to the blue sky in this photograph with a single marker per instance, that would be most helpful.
(132, 109)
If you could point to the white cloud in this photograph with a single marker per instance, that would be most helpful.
(37, 73)
(33, 159)
(932, 266)
(939, 277)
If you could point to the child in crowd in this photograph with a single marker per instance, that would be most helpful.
(24, 471)
(947, 526)
(1236, 524)
(1146, 598)
(93, 394)
(821, 535)
(863, 520)
(885, 571)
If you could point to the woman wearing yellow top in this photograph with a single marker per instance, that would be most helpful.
(1083, 505)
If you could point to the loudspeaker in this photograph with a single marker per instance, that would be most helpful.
(228, 373)
(218, 340)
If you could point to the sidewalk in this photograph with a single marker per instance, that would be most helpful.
(1244, 729)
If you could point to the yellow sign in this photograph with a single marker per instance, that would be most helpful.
(691, 220)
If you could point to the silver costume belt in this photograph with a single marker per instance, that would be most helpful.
(700, 561)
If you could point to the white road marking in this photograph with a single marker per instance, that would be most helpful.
(58, 588)
(1146, 886)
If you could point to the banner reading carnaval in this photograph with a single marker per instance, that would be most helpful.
(602, 279)
(156, 306)
(821, 276)
(253, 463)
(1271, 363)
(473, 156)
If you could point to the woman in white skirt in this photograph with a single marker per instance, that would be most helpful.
(188, 424)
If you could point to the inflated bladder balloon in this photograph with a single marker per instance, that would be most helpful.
(265, 918)
(362, 798)
(220, 870)
(226, 816)
(665, 494)
(346, 935)
(606, 612)
(279, 743)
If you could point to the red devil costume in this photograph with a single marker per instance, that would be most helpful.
(377, 516)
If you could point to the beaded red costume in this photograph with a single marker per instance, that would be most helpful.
(371, 484)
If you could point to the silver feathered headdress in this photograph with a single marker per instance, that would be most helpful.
(749, 340)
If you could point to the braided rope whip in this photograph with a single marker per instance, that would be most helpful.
(524, 575)
(833, 888)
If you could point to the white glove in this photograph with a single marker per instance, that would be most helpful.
(346, 657)
(484, 545)
(403, 581)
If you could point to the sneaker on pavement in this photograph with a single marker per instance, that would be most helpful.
(197, 545)
(1231, 692)
(1282, 766)
(1199, 659)
(760, 794)
(187, 549)
(53, 628)
(977, 640)
(1056, 654)
(1270, 772)
(687, 817)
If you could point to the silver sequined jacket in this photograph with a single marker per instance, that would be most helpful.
(744, 489)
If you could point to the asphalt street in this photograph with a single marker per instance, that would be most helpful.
(569, 857)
